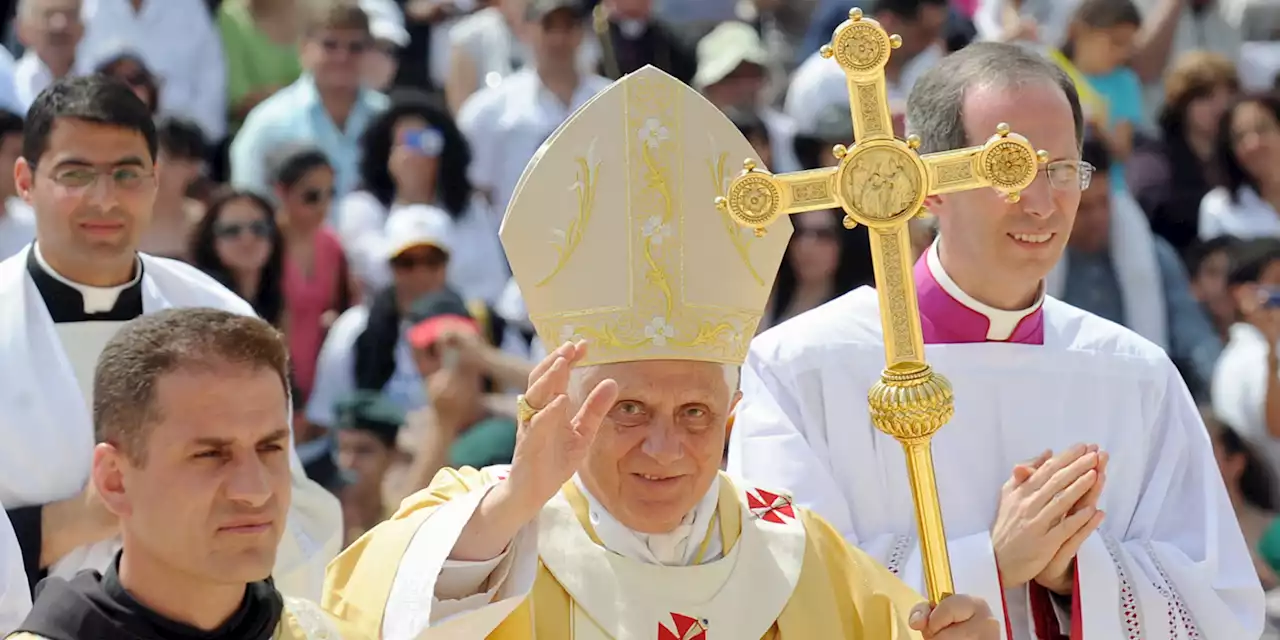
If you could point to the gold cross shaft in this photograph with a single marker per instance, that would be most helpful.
(881, 182)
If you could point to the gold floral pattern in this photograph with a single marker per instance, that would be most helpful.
(567, 240)
(659, 320)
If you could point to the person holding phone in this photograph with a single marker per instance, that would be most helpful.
(1246, 384)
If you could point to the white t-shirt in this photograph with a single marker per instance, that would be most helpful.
(1251, 217)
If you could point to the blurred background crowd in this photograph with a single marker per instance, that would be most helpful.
(344, 165)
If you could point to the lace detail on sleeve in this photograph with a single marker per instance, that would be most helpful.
(311, 621)
(900, 545)
(1128, 599)
(1179, 614)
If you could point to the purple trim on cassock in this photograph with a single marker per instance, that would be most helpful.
(946, 320)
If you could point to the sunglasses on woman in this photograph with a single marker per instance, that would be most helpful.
(232, 230)
(424, 142)
(316, 196)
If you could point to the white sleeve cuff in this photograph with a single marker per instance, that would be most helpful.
(461, 579)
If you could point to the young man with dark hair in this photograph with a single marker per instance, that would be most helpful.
(191, 416)
(17, 220)
(328, 105)
(89, 170)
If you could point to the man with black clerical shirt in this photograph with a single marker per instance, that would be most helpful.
(191, 415)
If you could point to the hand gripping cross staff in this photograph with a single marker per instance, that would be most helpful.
(882, 182)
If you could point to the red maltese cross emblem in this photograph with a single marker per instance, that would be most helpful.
(770, 507)
(684, 628)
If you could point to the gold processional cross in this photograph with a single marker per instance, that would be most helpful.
(881, 183)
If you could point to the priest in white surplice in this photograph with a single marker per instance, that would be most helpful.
(88, 169)
(1130, 536)
(613, 521)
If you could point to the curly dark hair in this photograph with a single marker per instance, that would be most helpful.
(269, 302)
(1233, 174)
(452, 185)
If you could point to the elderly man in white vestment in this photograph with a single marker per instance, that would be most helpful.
(1078, 484)
(613, 520)
(88, 169)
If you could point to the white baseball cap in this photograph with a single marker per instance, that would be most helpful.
(415, 226)
(728, 46)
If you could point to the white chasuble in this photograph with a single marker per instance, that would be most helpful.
(786, 575)
(1168, 560)
(47, 429)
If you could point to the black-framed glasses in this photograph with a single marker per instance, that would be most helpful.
(1065, 175)
(232, 230)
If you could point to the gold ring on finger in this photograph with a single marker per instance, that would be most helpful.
(525, 411)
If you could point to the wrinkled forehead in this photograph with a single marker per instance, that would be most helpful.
(684, 378)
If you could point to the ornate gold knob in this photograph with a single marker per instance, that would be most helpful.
(913, 141)
(839, 151)
(855, 14)
(826, 52)
(849, 222)
(895, 41)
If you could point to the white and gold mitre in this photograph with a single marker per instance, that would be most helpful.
(614, 237)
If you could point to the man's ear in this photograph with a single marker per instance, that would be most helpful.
(107, 476)
(24, 177)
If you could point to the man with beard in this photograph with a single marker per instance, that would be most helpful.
(191, 415)
(88, 169)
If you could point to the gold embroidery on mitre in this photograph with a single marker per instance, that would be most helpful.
(644, 266)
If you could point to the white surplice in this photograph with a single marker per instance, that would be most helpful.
(1169, 560)
(47, 429)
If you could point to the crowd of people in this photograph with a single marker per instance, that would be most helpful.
(344, 166)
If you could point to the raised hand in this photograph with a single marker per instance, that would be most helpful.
(957, 617)
(1038, 513)
(552, 444)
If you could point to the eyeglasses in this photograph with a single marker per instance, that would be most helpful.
(316, 196)
(354, 47)
(407, 262)
(233, 230)
(123, 178)
(1065, 175)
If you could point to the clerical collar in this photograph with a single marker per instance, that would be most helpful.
(69, 301)
(948, 315)
(677, 548)
(93, 605)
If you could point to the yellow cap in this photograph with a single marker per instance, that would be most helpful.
(614, 237)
